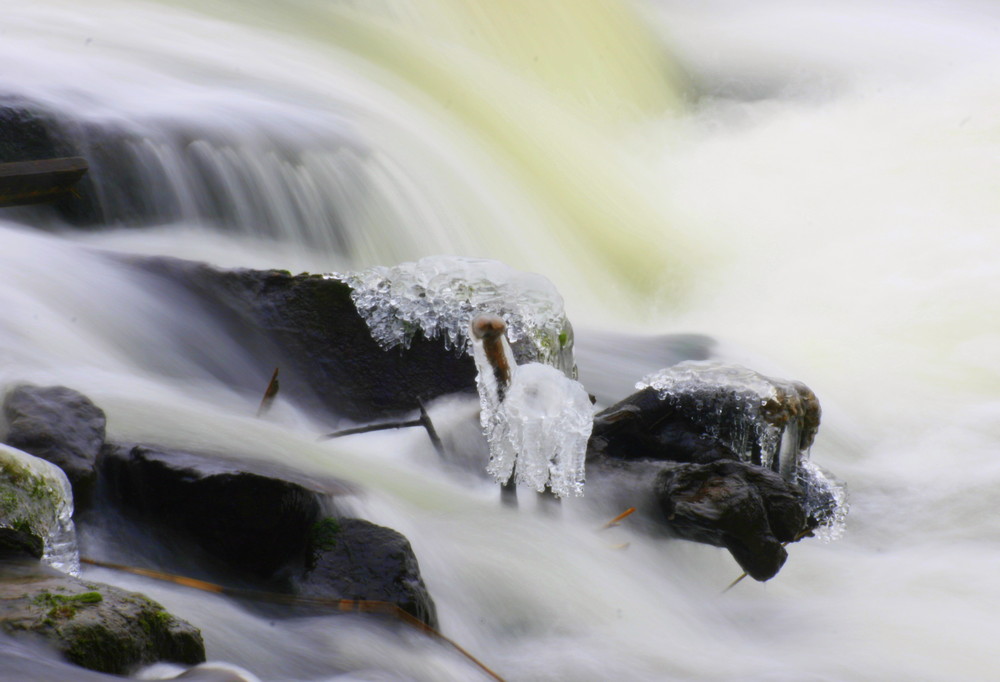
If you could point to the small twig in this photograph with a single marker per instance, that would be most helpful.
(735, 582)
(371, 427)
(614, 522)
(269, 394)
(346, 605)
(425, 421)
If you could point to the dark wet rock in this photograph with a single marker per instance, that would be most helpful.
(20, 543)
(356, 559)
(308, 326)
(746, 509)
(253, 521)
(61, 426)
(95, 626)
(714, 454)
(643, 426)
(28, 133)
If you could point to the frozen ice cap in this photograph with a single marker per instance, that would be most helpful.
(439, 296)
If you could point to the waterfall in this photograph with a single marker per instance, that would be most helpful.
(813, 187)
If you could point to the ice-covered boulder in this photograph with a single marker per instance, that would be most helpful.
(36, 510)
(765, 421)
(439, 296)
(719, 454)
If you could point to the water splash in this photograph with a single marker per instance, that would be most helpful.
(439, 295)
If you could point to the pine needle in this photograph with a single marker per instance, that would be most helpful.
(615, 521)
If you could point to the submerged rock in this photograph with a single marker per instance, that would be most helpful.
(95, 626)
(36, 507)
(356, 559)
(61, 426)
(31, 131)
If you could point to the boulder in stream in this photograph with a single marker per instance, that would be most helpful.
(747, 509)
(60, 425)
(254, 521)
(93, 625)
(718, 454)
(356, 559)
(364, 345)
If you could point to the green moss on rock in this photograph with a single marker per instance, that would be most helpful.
(95, 626)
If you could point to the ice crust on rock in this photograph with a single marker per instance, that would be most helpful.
(743, 409)
(37, 496)
(439, 295)
(765, 421)
(541, 423)
(826, 501)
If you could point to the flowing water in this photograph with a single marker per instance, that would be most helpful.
(813, 185)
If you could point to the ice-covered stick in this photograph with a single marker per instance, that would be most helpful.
(489, 337)
(491, 331)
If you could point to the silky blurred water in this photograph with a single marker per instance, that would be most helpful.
(812, 186)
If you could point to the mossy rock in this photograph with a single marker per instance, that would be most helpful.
(95, 626)
(35, 504)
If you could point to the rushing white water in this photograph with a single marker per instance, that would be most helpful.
(812, 184)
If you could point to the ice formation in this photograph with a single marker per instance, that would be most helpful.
(537, 420)
(37, 497)
(439, 295)
(765, 421)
